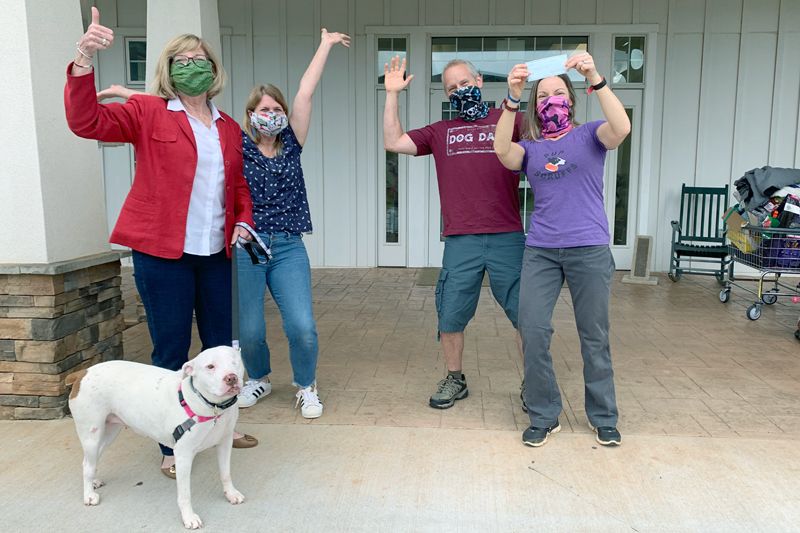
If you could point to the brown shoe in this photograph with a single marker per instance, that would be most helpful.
(245, 441)
(169, 471)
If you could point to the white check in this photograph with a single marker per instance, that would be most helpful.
(546, 67)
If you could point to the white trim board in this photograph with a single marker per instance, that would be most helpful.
(543, 29)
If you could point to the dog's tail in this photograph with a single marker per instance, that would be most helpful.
(74, 380)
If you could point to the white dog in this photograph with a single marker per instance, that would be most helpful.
(189, 410)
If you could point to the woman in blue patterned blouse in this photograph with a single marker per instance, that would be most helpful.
(272, 142)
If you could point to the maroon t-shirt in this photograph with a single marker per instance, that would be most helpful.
(478, 194)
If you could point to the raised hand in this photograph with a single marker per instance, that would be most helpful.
(97, 37)
(116, 91)
(583, 63)
(333, 38)
(516, 80)
(393, 73)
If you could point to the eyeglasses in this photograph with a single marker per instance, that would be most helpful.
(199, 60)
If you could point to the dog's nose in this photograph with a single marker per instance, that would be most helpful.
(231, 380)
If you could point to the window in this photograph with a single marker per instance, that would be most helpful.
(388, 47)
(392, 198)
(628, 60)
(494, 56)
(621, 215)
(135, 60)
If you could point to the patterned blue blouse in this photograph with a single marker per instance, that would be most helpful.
(277, 187)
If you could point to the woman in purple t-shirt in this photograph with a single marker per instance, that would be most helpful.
(568, 239)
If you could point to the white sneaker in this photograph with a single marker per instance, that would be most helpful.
(307, 399)
(253, 390)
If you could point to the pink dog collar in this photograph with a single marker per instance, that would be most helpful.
(194, 418)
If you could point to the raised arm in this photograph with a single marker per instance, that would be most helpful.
(617, 125)
(85, 117)
(509, 152)
(97, 37)
(394, 138)
(300, 117)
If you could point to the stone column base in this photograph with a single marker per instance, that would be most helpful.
(54, 320)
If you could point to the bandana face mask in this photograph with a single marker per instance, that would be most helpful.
(553, 114)
(192, 79)
(467, 100)
(270, 123)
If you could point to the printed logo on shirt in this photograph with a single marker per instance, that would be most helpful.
(555, 167)
(553, 163)
(470, 140)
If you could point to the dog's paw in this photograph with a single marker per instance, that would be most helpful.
(97, 483)
(234, 496)
(91, 498)
(192, 521)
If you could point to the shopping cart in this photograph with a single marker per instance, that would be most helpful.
(772, 252)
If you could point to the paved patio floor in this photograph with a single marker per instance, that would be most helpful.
(709, 403)
(685, 363)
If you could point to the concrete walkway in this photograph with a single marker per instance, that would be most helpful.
(710, 416)
(340, 478)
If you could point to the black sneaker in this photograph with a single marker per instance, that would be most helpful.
(522, 396)
(448, 391)
(607, 435)
(536, 437)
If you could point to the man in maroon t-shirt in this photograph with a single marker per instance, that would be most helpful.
(480, 207)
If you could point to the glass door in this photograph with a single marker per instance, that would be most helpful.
(392, 193)
(622, 182)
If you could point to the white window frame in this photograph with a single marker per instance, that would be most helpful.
(626, 84)
(128, 81)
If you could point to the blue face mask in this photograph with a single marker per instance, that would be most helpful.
(467, 100)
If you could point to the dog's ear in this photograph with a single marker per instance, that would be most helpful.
(188, 369)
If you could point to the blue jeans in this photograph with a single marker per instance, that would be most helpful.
(171, 289)
(288, 276)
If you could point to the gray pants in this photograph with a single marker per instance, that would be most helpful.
(588, 271)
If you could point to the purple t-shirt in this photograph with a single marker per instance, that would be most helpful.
(478, 194)
(566, 176)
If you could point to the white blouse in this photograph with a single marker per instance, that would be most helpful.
(205, 223)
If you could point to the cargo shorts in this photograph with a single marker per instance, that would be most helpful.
(466, 258)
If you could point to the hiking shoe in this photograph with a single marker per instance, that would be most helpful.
(522, 396)
(536, 437)
(607, 435)
(253, 390)
(448, 391)
(308, 400)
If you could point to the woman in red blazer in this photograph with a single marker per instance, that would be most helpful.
(187, 195)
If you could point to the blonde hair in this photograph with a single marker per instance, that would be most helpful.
(258, 92)
(162, 83)
(533, 126)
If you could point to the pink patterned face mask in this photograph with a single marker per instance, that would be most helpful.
(553, 113)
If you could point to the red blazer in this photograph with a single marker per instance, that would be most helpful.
(153, 217)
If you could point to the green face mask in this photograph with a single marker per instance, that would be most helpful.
(192, 78)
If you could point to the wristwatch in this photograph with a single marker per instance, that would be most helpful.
(602, 83)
